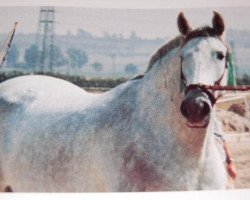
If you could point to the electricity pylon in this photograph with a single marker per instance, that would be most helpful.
(45, 38)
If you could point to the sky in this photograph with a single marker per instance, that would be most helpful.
(131, 4)
(150, 19)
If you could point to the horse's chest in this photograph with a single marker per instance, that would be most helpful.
(138, 173)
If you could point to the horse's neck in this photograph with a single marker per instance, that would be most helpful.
(160, 98)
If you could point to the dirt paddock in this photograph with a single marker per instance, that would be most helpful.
(237, 129)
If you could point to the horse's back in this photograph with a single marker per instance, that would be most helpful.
(43, 92)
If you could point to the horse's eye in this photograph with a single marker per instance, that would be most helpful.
(220, 55)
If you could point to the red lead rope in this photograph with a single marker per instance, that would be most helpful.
(228, 88)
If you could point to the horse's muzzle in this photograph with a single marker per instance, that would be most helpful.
(196, 108)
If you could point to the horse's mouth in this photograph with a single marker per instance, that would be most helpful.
(200, 124)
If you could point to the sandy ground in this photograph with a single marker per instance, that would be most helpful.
(238, 137)
(240, 148)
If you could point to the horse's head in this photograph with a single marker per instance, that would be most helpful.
(203, 61)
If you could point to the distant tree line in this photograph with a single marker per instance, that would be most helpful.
(76, 58)
(244, 80)
(131, 69)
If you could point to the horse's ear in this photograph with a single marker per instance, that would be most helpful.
(183, 25)
(218, 24)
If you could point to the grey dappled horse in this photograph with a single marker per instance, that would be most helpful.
(144, 135)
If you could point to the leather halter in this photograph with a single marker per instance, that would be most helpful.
(209, 91)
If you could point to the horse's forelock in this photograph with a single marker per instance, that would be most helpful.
(205, 31)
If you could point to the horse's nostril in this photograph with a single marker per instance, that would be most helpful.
(184, 110)
(205, 109)
(195, 110)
